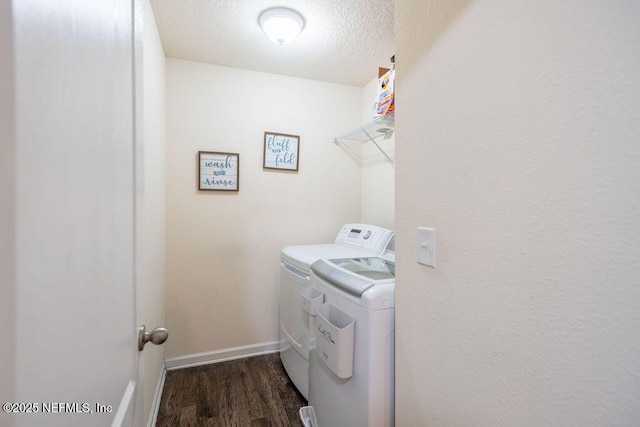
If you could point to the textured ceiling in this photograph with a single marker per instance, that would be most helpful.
(344, 41)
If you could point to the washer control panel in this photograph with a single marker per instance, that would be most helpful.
(364, 236)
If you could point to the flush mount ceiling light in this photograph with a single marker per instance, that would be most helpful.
(281, 24)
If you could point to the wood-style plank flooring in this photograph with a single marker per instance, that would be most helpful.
(254, 391)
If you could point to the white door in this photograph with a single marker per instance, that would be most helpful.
(76, 357)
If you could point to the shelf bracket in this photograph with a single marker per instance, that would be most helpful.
(376, 144)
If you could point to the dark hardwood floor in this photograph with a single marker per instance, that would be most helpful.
(254, 391)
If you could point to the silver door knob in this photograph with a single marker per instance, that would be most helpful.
(157, 336)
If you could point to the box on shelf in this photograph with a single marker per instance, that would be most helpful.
(385, 102)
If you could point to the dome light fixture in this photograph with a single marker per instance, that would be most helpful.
(281, 24)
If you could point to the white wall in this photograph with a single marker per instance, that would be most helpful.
(7, 212)
(378, 174)
(223, 249)
(519, 132)
(152, 283)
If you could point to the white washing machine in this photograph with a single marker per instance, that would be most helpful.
(352, 378)
(353, 240)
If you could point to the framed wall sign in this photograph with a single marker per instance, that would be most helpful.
(218, 171)
(281, 151)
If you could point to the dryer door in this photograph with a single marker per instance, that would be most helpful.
(294, 321)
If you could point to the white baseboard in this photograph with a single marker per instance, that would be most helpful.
(223, 355)
(157, 396)
(125, 411)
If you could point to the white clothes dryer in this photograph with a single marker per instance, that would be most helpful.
(352, 379)
(353, 240)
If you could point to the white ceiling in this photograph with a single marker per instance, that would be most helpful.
(344, 41)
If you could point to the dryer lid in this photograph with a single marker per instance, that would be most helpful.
(355, 275)
(373, 268)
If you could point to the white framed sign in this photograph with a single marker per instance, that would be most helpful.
(218, 171)
(281, 151)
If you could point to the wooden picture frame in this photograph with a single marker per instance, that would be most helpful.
(218, 171)
(281, 151)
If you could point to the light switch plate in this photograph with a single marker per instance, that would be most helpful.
(427, 246)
